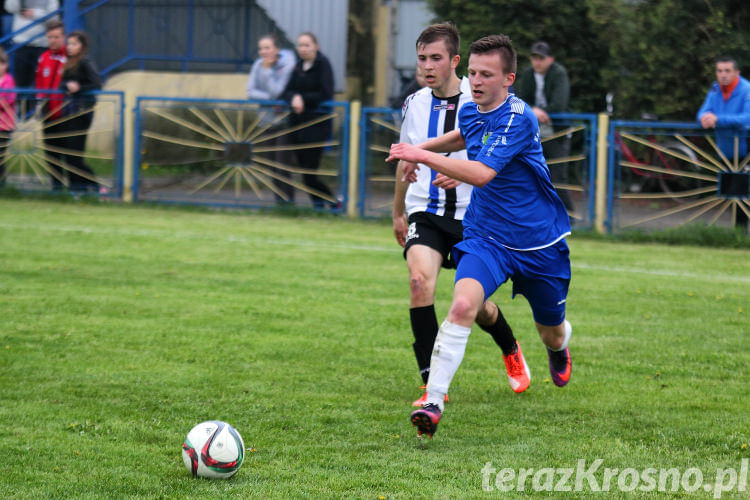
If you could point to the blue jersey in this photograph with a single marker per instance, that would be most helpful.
(519, 207)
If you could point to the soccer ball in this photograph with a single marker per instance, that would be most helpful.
(213, 449)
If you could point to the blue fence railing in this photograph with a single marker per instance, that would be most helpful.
(52, 141)
(667, 174)
(225, 152)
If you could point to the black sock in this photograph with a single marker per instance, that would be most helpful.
(501, 333)
(425, 327)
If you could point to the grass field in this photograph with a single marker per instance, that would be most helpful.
(122, 327)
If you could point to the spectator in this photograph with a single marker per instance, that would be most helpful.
(268, 78)
(310, 85)
(727, 109)
(48, 76)
(7, 112)
(271, 71)
(31, 42)
(78, 79)
(545, 86)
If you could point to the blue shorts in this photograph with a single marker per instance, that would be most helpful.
(542, 276)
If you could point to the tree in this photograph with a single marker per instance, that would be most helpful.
(655, 56)
(566, 26)
(662, 52)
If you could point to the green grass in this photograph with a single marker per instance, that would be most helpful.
(122, 327)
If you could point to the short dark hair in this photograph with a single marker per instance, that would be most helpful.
(496, 43)
(442, 31)
(54, 24)
(727, 59)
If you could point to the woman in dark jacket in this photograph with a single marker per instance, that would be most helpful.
(79, 77)
(310, 85)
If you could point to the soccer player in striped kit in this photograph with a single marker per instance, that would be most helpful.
(427, 218)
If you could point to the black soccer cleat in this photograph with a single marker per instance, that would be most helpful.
(426, 419)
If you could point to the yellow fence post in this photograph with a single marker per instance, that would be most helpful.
(601, 173)
(128, 143)
(355, 111)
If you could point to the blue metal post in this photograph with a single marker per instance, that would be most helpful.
(345, 154)
(190, 34)
(593, 134)
(611, 167)
(246, 51)
(363, 160)
(121, 147)
(70, 15)
(137, 147)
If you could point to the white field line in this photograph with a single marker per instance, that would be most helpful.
(347, 247)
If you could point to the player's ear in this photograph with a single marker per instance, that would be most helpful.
(455, 60)
(509, 79)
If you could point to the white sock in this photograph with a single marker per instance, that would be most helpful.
(447, 355)
(568, 331)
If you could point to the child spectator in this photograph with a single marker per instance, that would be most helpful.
(7, 113)
(79, 77)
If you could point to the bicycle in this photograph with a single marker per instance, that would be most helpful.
(661, 168)
(669, 167)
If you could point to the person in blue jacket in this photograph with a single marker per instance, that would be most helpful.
(727, 109)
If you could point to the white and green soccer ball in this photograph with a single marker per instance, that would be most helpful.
(213, 449)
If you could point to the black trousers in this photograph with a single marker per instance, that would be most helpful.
(741, 219)
(75, 142)
(58, 173)
(309, 159)
(4, 142)
(284, 158)
(25, 61)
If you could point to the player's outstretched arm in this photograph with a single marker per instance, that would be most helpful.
(468, 171)
(446, 143)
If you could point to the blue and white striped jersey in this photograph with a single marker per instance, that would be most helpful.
(424, 117)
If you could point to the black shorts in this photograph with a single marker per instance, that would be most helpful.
(434, 231)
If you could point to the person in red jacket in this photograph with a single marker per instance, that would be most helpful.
(49, 73)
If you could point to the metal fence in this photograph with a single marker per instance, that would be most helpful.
(53, 142)
(246, 153)
(671, 174)
(224, 152)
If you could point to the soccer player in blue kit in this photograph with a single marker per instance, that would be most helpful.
(427, 219)
(515, 225)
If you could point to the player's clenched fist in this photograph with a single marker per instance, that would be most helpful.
(409, 155)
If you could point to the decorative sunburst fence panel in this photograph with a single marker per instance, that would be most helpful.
(54, 142)
(665, 175)
(572, 162)
(240, 153)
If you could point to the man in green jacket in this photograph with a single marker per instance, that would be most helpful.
(545, 86)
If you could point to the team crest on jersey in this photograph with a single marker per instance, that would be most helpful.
(412, 232)
(447, 107)
(45, 72)
(485, 137)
